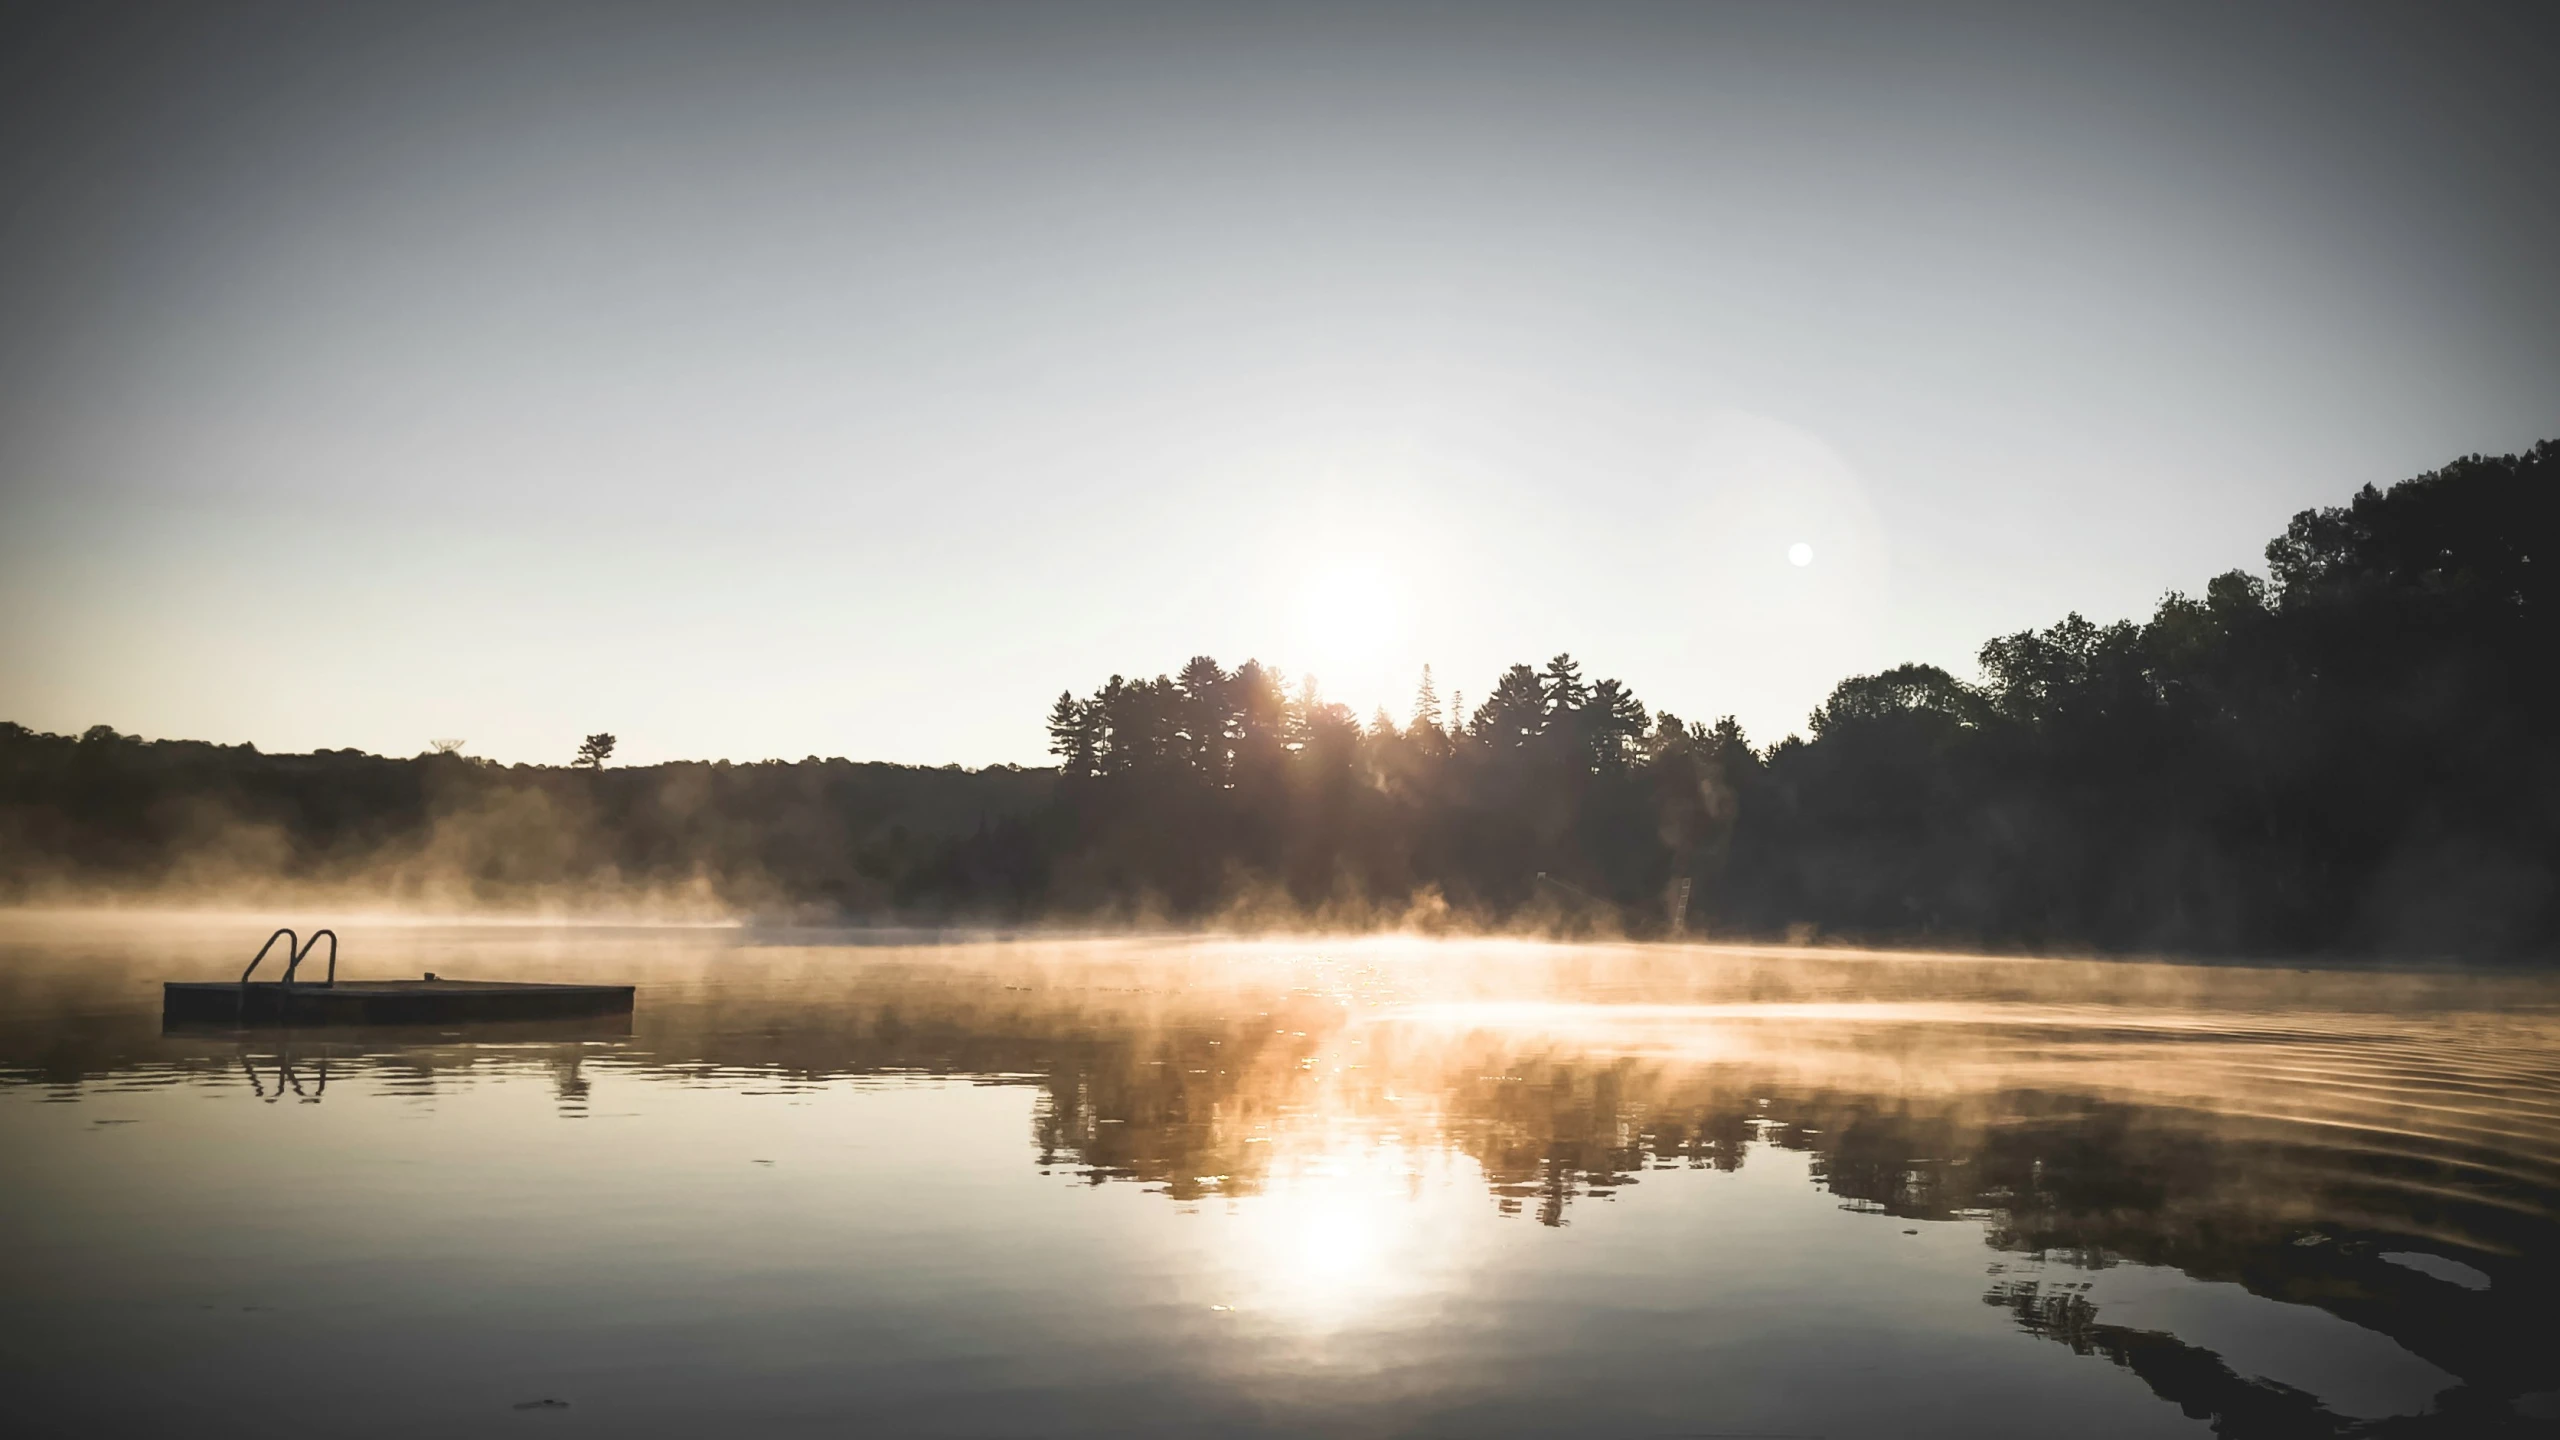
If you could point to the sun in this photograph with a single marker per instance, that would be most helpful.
(1350, 615)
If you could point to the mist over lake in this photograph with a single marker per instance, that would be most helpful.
(955, 1185)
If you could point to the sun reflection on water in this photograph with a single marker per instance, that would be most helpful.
(1337, 1238)
(1340, 1163)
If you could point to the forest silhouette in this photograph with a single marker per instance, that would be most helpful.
(2358, 752)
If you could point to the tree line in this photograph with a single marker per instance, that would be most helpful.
(2357, 752)
(108, 815)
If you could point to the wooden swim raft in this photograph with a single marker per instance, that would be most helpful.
(429, 1001)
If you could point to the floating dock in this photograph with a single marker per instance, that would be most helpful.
(429, 1001)
(383, 1002)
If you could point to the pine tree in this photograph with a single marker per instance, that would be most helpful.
(1611, 723)
(1517, 712)
(1071, 735)
(1562, 683)
(1426, 703)
(1205, 734)
(1112, 741)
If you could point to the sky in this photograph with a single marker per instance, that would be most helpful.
(758, 381)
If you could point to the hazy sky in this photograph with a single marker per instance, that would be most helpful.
(766, 381)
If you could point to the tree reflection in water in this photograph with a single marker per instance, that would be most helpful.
(2276, 1130)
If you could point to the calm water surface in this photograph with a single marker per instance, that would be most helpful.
(1206, 1187)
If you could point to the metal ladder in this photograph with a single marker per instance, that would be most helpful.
(296, 951)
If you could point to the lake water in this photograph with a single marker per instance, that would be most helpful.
(1190, 1187)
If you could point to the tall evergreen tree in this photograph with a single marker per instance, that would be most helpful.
(1563, 687)
(1071, 736)
(1515, 715)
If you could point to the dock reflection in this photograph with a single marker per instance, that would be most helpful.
(2298, 1136)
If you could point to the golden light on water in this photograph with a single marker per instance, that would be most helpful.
(1313, 1170)
(1343, 1236)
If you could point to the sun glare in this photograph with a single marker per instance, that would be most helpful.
(1350, 618)
(1343, 1240)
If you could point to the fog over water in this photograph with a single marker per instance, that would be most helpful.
(945, 1184)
